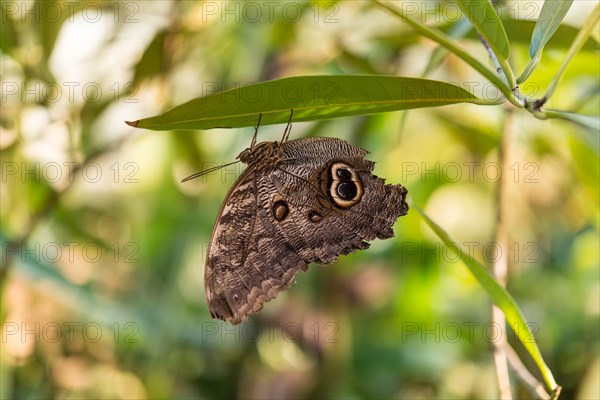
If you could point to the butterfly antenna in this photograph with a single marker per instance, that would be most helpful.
(255, 132)
(208, 171)
(288, 128)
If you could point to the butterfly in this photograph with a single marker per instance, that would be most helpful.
(297, 202)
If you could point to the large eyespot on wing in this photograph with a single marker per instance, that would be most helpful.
(247, 263)
(333, 206)
(343, 185)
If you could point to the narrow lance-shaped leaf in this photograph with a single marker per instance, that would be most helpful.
(552, 14)
(587, 121)
(520, 31)
(482, 15)
(590, 132)
(311, 98)
(502, 299)
(588, 26)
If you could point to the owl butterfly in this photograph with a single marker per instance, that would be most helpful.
(297, 202)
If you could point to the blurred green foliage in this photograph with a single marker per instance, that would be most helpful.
(105, 298)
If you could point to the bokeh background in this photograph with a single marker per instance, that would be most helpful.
(103, 248)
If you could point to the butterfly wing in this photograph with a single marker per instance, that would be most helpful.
(248, 262)
(276, 220)
(320, 225)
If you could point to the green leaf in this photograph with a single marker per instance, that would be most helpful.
(311, 98)
(153, 59)
(483, 16)
(591, 124)
(502, 299)
(587, 121)
(550, 18)
(519, 33)
(588, 26)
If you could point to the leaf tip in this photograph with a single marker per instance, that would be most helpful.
(133, 123)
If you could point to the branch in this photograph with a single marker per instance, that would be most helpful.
(500, 266)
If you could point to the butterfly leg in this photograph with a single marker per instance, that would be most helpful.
(288, 128)
(256, 131)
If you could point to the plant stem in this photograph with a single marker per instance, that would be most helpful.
(535, 387)
(504, 70)
(500, 266)
(508, 73)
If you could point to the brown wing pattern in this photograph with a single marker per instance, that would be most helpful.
(340, 231)
(247, 263)
(278, 218)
